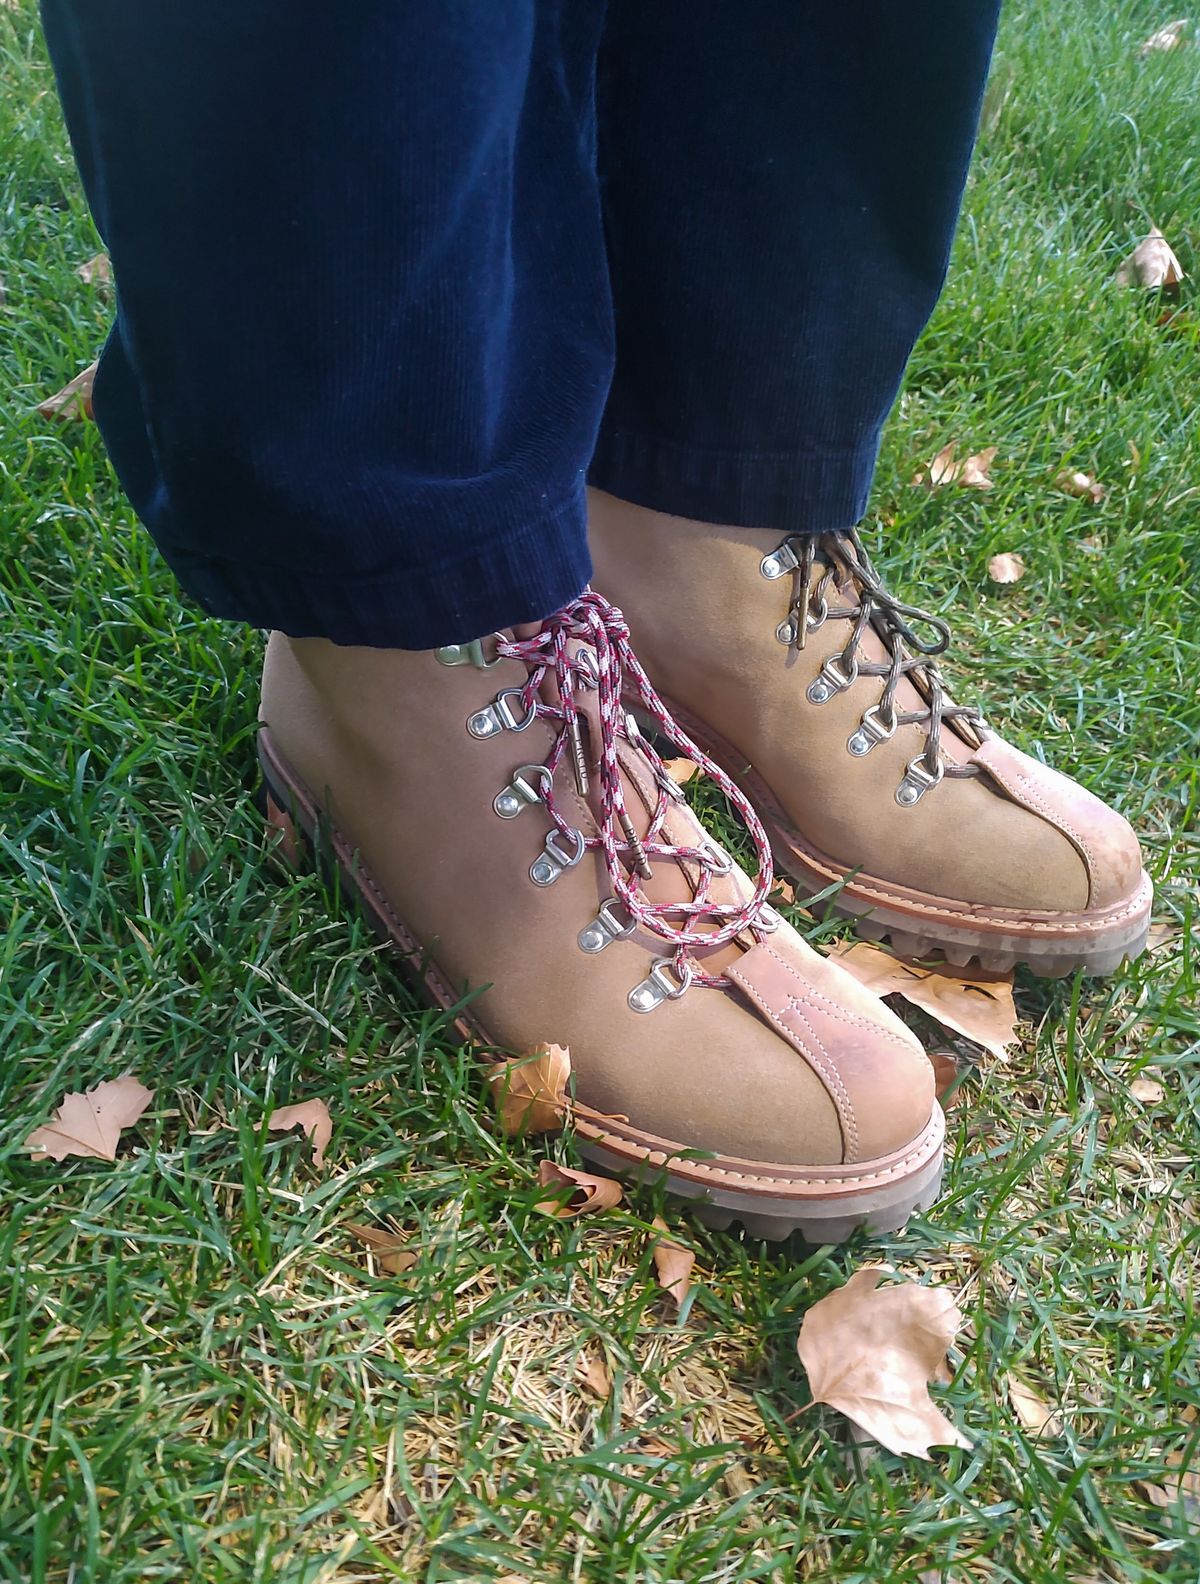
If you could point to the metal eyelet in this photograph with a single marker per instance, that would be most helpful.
(719, 863)
(556, 858)
(871, 731)
(768, 920)
(467, 654)
(498, 716)
(918, 778)
(788, 631)
(588, 667)
(833, 678)
(658, 986)
(529, 785)
(605, 928)
(778, 563)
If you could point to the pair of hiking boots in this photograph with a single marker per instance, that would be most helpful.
(503, 812)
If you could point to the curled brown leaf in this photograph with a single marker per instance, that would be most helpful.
(74, 400)
(1168, 37)
(973, 471)
(388, 1249)
(1084, 485)
(97, 271)
(575, 1193)
(673, 1264)
(1152, 265)
(1033, 1411)
(530, 1091)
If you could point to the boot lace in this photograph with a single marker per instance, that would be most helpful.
(893, 622)
(605, 660)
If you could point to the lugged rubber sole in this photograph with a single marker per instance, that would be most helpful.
(923, 927)
(772, 1201)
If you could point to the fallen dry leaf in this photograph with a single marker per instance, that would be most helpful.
(1183, 1487)
(90, 1123)
(981, 1009)
(946, 1073)
(1167, 38)
(388, 1249)
(97, 271)
(1147, 1091)
(1033, 1412)
(1007, 567)
(673, 1263)
(681, 771)
(74, 400)
(1152, 264)
(530, 1092)
(311, 1115)
(871, 1351)
(587, 1192)
(1084, 485)
(972, 471)
(593, 1372)
(1162, 937)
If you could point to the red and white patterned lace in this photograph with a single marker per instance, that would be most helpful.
(617, 674)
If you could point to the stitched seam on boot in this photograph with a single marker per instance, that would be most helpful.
(1053, 817)
(840, 1013)
(820, 1064)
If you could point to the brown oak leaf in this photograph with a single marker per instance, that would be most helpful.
(388, 1249)
(530, 1091)
(673, 1264)
(1152, 265)
(90, 1123)
(1007, 567)
(980, 1008)
(74, 400)
(971, 471)
(871, 1351)
(311, 1115)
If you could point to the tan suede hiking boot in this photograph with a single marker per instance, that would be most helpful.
(506, 826)
(799, 674)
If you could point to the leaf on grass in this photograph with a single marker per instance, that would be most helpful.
(1182, 1488)
(388, 1249)
(1007, 567)
(981, 1009)
(73, 401)
(593, 1372)
(311, 1115)
(946, 1074)
(871, 1351)
(90, 1123)
(681, 771)
(1084, 485)
(1162, 937)
(575, 1192)
(97, 271)
(972, 471)
(673, 1264)
(530, 1092)
(1033, 1412)
(1152, 265)
(1166, 38)
(1146, 1091)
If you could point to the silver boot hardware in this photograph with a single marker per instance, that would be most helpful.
(800, 621)
(659, 985)
(557, 857)
(918, 778)
(779, 562)
(832, 678)
(871, 731)
(605, 928)
(587, 667)
(500, 716)
(466, 654)
(529, 785)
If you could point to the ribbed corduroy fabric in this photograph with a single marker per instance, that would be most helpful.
(395, 277)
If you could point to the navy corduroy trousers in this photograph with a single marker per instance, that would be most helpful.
(396, 278)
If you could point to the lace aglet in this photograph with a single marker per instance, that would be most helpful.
(802, 608)
(579, 768)
(640, 862)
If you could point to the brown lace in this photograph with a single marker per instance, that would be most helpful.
(893, 622)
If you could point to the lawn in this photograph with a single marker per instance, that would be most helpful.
(202, 1376)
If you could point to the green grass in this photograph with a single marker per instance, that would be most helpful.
(200, 1378)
